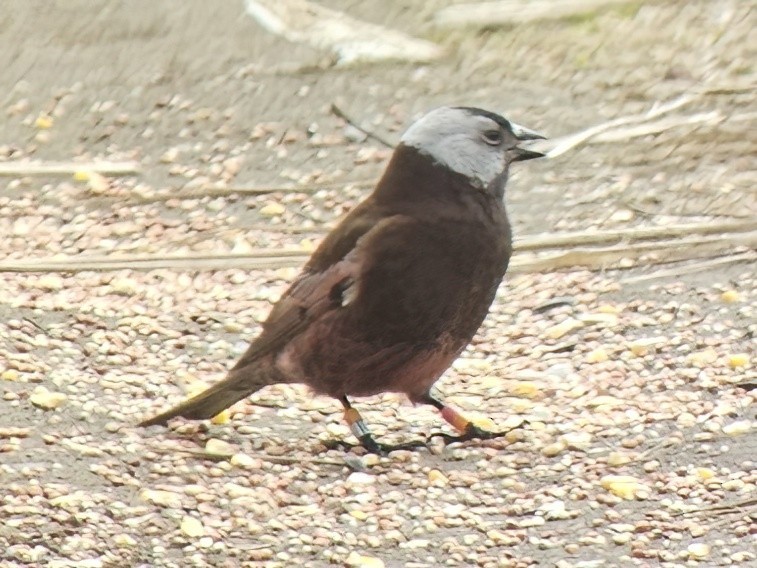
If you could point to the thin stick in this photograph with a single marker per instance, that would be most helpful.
(723, 508)
(598, 258)
(202, 454)
(658, 126)
(350, 40)
(566, 143)
(180, 261)
(55, 169)
(262, 190)
(649, 213)
(542, 242)
(690, 269)
(592, 258)
(341, 114)
(509, 12)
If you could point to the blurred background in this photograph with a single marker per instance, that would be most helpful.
(199, 94)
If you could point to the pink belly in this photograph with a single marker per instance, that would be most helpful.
(339, 368)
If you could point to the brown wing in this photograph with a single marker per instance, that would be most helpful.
(332, 269)
(344, 237)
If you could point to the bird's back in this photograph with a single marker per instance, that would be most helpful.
(428, 272)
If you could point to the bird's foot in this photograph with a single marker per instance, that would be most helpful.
(363, 434)
(468, 430)
(471, 432)
(374, 447)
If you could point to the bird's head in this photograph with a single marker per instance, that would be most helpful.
(472, 142)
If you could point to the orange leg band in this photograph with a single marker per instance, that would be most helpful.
(355, 422)
(351, 416)
(458, 421)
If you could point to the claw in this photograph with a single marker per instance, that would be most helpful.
(373, 447)
(472, 432)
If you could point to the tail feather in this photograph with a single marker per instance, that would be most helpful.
(238, 384)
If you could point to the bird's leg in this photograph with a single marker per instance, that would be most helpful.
(359, 429)
(468, 430)
(363, 434)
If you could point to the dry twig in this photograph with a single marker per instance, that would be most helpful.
(216, 457)
(559, 146)
(691, 268)
(349, 39)
(591, 258)
(542, 242)
(341, 114)
(509, 12)
(260, 190)
(55, 169)
(722, 509)
(664, 251)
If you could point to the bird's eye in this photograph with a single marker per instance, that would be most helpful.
(493, 137)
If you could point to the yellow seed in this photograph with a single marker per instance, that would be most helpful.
(98, 184)
(47, 400)
(161, 497)
(192, 526)
(642, 347)
(436, 477)
(219, 447)
(639, 349)
(605, 400)
(597, 356)
(704, 473)
(526, 389)
(616, 459)
(272, 209)
(730, 296)
(698, 550)
(499, 537)
(737, 428)
(242, 460)
(362, 561)
(551, 450)
(9, 375)
(222, 417)
(521, 405)
(81, 175)
(738, 360)
(601, 318)
(483, 422)
(359, 515)
(123, 540)
(43, 122)
(560, 329)
(623, 486)
(516, 435)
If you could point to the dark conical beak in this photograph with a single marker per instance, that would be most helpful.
(521, 154)
(523, 133)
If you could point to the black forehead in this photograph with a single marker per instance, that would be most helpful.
(501, 120)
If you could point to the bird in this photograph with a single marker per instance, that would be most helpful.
(397, 290)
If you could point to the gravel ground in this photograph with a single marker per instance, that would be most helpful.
(635, 401)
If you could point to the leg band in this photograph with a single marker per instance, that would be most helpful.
(355, 421)
(457, 420)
